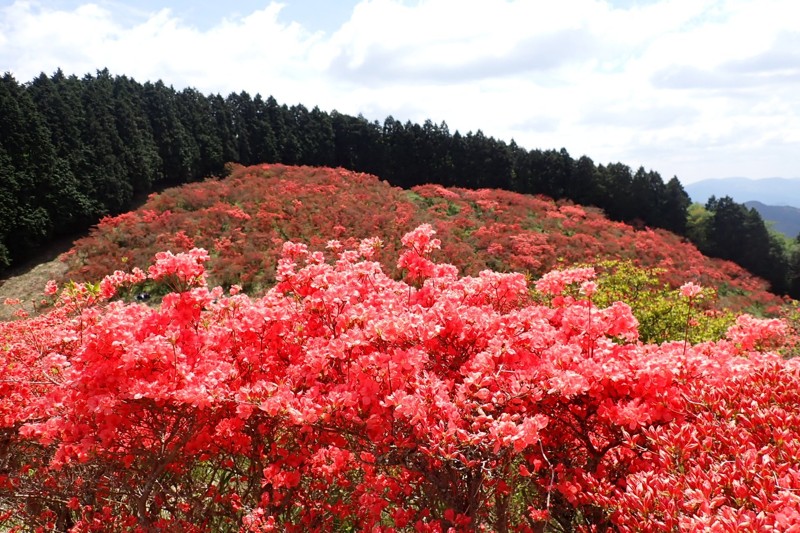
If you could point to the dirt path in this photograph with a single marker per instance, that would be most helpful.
(26, 282)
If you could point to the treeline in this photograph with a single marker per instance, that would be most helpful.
(729, 230)
(74, 149)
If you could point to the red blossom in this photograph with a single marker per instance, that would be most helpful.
(345, 397)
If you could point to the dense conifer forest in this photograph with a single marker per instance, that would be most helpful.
(75, 149)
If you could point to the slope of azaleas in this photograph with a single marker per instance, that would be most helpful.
(241, 220)
(345, 399)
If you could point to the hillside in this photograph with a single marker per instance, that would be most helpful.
(243, 219)
(770, 191)
(349, 397)
(784, 218)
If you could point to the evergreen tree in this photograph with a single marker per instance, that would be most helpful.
(400, 153)
(726, 228)
(242, 116)
(195, 114)
(793, 274)
(313, 131)
(63, 193)
(9, 202)
(522, 180)
(223, 124)
(58, 101)
(105, 164)
(27, 158)
(140, 157)
(283, 125)
(180, 155)
(615, 187)
(359, 144)
(740, 235)
(674, 207)
(488, 162)
(583, 185)
(438, 155)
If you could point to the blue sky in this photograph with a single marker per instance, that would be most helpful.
(693, 88)
(315, 15)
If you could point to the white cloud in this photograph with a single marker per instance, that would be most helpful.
(241, 54)
(48, 38)
(450, 41)
(697, 88)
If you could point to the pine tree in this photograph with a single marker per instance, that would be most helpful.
(195, 113)
(140, 157)
(180, 155)
(105, 168)
(27, 158)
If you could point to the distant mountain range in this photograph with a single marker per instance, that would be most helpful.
(769, 191)
(777, 200)
(784, 218)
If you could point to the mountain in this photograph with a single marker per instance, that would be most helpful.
(243, 220)
(784, 218)
(769, 191)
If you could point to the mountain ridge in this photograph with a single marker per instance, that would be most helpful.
(782, 218)
(768, 191)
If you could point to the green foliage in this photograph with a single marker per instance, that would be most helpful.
(739, 234)
(422, 201)
(663, 313)
(791, 316)
(5, 257)
(698, 221)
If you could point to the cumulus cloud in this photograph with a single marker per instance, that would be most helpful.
(246, 52)
(447, 41)
(696, 88)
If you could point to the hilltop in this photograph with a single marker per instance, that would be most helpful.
(83, 148)
(243, 219)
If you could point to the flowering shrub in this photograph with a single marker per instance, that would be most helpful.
(344, 399)
(689, 313)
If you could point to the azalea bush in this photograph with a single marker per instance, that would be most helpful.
(345, 399)
(689, 312)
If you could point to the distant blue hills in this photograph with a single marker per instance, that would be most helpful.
(777, 200)
(783, 218)
(769, 191)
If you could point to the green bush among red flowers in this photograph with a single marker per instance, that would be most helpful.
(345, 399)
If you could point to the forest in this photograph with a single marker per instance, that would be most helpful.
(73, 150)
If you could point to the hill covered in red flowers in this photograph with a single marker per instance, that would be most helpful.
(243, 219)
(365, 384)
(343, 399)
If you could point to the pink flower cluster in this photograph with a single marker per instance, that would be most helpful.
(187, 267)
(555, 282)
